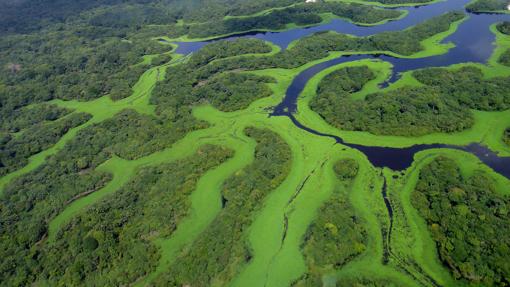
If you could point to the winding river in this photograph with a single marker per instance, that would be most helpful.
(473, 43)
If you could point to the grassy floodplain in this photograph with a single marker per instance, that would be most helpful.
(276, 236)
(488, 128)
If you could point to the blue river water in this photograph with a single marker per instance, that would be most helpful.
(474, 42)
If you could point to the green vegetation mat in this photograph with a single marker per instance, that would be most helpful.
(123, 163)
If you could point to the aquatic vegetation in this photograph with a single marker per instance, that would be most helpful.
(114, 231)
(242, 196)
(246, 162)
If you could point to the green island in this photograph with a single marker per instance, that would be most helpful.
(177, 143)
(492, 6)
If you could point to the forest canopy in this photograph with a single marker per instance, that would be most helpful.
(460, 212)
(480, 6)
(442, 105)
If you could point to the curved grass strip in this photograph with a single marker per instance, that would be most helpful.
(205, 204)
(100, 109)
(271, 220)
(122, 169)
(243, 194)
(486, 123)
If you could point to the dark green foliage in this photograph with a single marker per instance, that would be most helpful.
(406, 111)
(468, 87)
(133, 15)
(31, 201)
(224, 49)
(14, 152)
(160, 60)
(112, 243)
(349, 80)
(26, 16)
(90, 244)
(14, 121)
(309, 280)
(480, 6)
(274, 21)
(337, 235)
(319, 45)
(207, 10)
(506, 136)
(443, 105)
(68, 65)
(233, 91)
(468, 220)
(505, 58)
(504, 27)
(243, 194)
(196, 81)
(301, 14)
(346, 169)
(128, 135)
(27, 206)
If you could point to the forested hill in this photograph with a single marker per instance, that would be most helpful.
(23, 16)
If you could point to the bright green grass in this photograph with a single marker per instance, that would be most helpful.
(100, 109)
(278, 262)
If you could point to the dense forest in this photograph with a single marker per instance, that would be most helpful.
(337, 235)
(109, 239)
(243, 194)
(468, 220)
(32, 200)
(442, 105)
(479, 6)
(111, 243)
(15, 151)
(504, 27)
(28, 16)
(81, 51)
(301, 14)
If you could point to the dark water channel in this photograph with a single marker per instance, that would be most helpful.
(474, 43)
